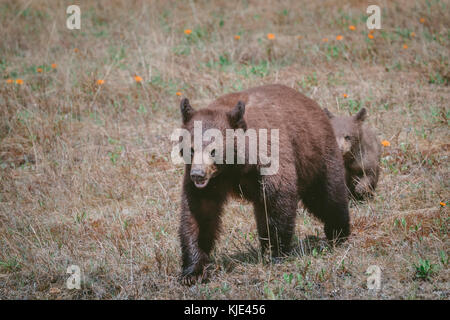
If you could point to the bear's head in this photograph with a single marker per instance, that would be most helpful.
(207, 152)
(347, 130)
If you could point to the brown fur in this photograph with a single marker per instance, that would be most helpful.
(310, 169)
(361, 152)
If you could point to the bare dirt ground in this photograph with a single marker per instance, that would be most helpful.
(85, 172)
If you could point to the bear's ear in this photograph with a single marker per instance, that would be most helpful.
(328, 113)
(186, 110)
(361, 115)
(236, 116)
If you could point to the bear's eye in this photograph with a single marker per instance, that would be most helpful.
(181, 152)
(213, 153)
(347, 138)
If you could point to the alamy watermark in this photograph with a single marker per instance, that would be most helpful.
(74, 19)
(195, 152)
(374, 279)
(374, 20)
(74, 280)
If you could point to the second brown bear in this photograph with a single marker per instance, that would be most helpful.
(361, 151)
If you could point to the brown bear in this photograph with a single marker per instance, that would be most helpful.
(361, 151)
(310, 168)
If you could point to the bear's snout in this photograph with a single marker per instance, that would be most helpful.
(198, 176)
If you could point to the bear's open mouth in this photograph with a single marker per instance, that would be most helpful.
(200, 182)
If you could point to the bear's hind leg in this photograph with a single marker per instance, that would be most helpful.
(330, 205)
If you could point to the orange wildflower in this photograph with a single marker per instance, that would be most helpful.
(54, 65)
(19, 81)
(443, 204)
(412, 34)
(100, 82)
(187, 31)
(385, 143)
(9, 80)
(237, 37)
(39, 70)
(370, 36)
(345, 95)
(270, 36)
(422, 20)
(178, 93)
(405, 46)
(137, 79)
(339, 37)
(353, 28)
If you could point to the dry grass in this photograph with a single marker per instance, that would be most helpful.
(85, 169)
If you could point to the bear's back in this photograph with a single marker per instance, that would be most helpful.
(272, 106)
(305, 132)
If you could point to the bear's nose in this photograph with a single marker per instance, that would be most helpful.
(197, 174)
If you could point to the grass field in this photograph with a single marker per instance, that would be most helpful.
(85, 121)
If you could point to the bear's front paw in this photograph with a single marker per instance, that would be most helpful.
(363, 189)
(189, 280)
(191, 276)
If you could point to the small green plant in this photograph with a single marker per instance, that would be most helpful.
(332, 52)
(269, 292)
(354, 105)
(288, 277)
(386, 106)
(443, 257)
(224, 60)
(80, 217)
(424, 269)
(225, 288)
(160, 233)
(311, 80)
(142, 109)
(125, 224)
(404, 33)
(10, 265)
(114, 156)
(299, 280)
(182, 50)
(403, 221)
(261, 69)
(321, 274)
(437, 78)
